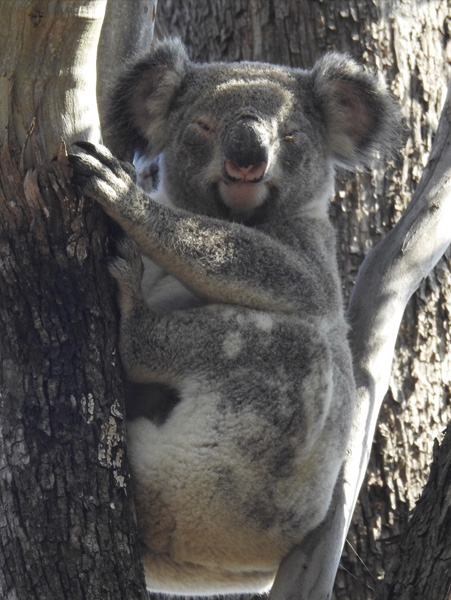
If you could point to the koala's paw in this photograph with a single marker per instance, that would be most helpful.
(127, 269)
(100, 175)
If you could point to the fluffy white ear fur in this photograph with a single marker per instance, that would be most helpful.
(358, 111)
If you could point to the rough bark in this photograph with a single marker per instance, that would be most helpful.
(423, 562)
(408, 42)
(67, 527)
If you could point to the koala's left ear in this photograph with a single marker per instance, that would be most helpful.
(360, 114)
(139, 100)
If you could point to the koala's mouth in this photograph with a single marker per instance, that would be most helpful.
(243, 197)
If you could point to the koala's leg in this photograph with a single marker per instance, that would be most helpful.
(227, 352)
(155, 347)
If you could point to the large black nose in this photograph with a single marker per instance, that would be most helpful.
(245, 151)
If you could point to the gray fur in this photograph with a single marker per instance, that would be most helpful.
(243, 317)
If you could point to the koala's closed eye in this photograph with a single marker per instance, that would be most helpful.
(204, 126)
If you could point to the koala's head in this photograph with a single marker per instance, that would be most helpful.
(240, 140)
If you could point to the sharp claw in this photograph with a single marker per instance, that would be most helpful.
(107, 261)
(84, 145)
(79, 175)
(74, 159)
(104, 156)
(97, 151)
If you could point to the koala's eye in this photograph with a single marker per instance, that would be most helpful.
(203, 125)
(289, 137)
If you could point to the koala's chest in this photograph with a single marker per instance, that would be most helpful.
(165, 293)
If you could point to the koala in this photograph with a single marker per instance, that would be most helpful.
(240, 326)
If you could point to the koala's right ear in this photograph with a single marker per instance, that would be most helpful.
(360, 114)
(138, 103)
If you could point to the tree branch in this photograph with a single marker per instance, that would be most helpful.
(47, 93)
(388, 277)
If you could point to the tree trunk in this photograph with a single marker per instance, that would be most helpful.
(423, 561)
(408, 42)
(67, 526)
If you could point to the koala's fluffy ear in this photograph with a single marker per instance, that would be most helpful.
(361, 116)
(139, 100)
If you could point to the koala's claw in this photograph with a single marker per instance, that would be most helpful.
(128, 250)
(106, 158)
(91, 148)
(101, 176)
(102, 154)
(127, 267)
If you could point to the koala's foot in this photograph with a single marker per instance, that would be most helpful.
(100, 175)
(127, 269)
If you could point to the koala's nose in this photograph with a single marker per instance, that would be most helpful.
(251, 174)
(245, 152)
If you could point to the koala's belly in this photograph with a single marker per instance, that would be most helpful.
(163, 292)
(211, 520)
(195, 542)
(245, 464)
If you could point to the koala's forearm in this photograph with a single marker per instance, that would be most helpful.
(219, 260)
(223, 261)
